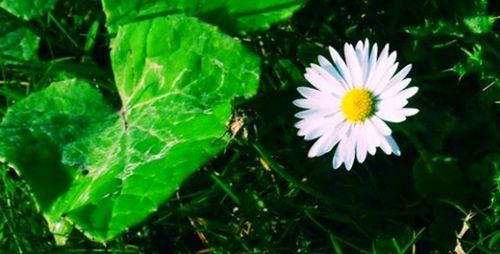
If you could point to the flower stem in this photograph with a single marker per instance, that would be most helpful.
(319, 195)
(418, 145)
(294, 181)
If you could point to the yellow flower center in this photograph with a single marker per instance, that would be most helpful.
(358, 104)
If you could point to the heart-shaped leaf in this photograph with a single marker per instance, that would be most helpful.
(36, 130)
(231, 15)
(440, 180)
(176, 78)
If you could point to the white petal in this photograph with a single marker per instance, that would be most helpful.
(308, 113)
(310, 93)
(314, 133)
(334, 83)
(315, 113)
(325, 64)
(383, 54)
(407, 93)
(325, 143)
(385, 146)
(362, 52)
(399, 76)
(395, 89)
(322, 80)
(307, 125)
(344, 133)
(319, 81)
(394, 146)
(391, 104)
(304, 103)
(338, 157)
(316, 149)
(361, 145)
(380, 126)
(350, 150)
(370, 137)
(372, 64)
(359, 45)
(353, 65)
(345, 126)
(313, 78)
(370, 147)
(402, 74)
(381, 84)
(324, 126)
(379, 68)
(339, 133)
(316, 95)
(392, 116)
(397, 116)
(385, 69)
(315, 104)
(409, 111)
(341, 66)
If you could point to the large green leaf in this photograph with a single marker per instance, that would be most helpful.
(440, 180)
(36, 130)
(176, 90)
(27, 9)
(231, 15)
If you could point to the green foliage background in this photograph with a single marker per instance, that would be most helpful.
(264, 195)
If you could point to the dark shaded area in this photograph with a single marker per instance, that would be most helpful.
(42, 170)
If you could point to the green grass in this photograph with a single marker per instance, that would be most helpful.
(264, 195)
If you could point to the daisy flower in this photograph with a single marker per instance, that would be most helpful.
(351, 102)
